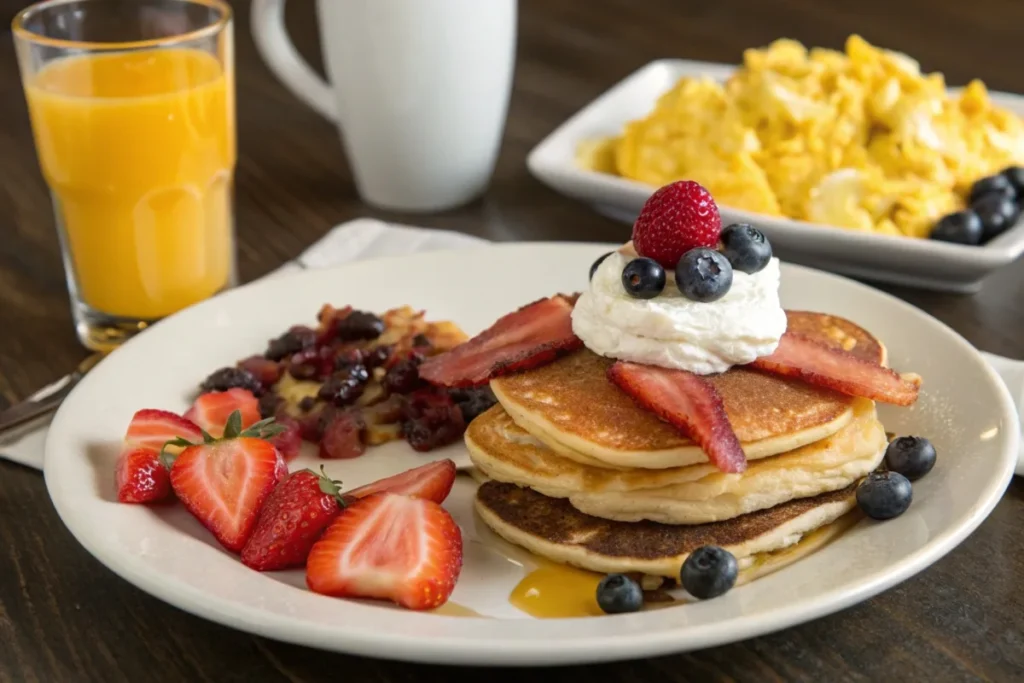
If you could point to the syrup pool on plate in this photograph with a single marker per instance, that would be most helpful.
(553, 591)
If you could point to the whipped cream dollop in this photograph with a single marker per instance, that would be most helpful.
(675, 332)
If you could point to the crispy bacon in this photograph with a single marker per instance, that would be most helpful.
(811, 361)
(534, 335)
(689, 403)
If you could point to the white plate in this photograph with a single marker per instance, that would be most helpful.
(964, 408)
(884, 258)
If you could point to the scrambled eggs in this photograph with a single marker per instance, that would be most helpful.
(860, 139)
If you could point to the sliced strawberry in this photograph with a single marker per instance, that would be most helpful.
(288, 442)
(831, 368)
(141, 477)
(211, 410)
(389, 547)
(343, 437)
(688, 402)
(224, 482)
(292, 520)
(532, 336)
(432, 481)
(152, 429)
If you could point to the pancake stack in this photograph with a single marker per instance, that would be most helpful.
(574, 471)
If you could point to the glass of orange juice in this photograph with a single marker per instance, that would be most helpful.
(132, 106)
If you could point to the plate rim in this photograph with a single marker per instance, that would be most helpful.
(523, 653)
(545, 164)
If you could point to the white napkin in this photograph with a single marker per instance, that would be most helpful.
(366, 238)
(362, 238)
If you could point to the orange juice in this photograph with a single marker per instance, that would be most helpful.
(138, 149)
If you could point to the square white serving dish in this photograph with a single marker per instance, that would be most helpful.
(883, 258)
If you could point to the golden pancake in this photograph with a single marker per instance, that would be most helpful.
(553, 529)
(571, 406)
(695, 494)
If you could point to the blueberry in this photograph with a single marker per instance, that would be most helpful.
(746, 247)
(884, 495)
(1015, 174)
(708, 572)
(617, 593)
(597, 264)
(911, 456)
(703, 275)
(231, 378)
(291, 342)
(998, 184)
(962, 227)
(997, 213)
(358, 326)
(643, 278)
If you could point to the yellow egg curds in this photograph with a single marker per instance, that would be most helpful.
(860, 139)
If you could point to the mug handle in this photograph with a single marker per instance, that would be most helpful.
(277, 50)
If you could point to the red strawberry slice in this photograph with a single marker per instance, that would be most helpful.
(688, 402)
(211, 410)
(389, 547)
(225, 483)
(675, 219)
(141, 477)
(292, 520)
(534, 335)
(152, 429)
(432, 481)
(831, 368)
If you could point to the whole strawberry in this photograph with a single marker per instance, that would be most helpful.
(292, 520)
(677, 218)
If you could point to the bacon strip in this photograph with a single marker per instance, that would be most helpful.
(689, 403)
(806, 359)
(534, 335)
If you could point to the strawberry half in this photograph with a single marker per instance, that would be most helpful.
(224, 482)
(211, 410)
(152, 429)
(389, 547)
(141, 477)
(293, 518)
(432, 481)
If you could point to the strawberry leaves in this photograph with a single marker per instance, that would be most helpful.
(330, 487)
(264, 429)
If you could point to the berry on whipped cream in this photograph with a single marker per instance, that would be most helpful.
(675, 332)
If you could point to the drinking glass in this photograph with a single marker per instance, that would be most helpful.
(132, 104)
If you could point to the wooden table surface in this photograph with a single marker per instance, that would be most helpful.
(64, 617)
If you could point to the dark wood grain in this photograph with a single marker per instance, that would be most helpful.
(64, 617)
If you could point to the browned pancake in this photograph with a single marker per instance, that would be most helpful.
(572, 407)
(554, 529)
(697, 494)
(837, 332)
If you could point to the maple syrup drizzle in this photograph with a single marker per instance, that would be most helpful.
(553, 591)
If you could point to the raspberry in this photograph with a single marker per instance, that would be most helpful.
(677, 218)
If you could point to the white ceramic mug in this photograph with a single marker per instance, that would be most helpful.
(419, 90)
